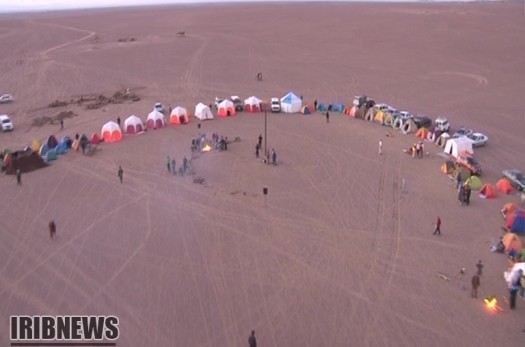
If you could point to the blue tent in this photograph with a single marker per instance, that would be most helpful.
(61, 148)
(67, 140)
(43, 150)
(51, 155)
(321, 107)
(337, 107)
(518, 225)
(52, 142)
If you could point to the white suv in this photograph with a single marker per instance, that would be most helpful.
(442, 124)
(5, 123)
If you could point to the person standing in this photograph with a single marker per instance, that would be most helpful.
(260, 141)
(475, 284)
(257, 150)
(458, 180)
(18, 177)
(479, 266)
(184, 164)
(468, 191)
(461, 195)
(514, 286)
(168, 163)
(315, 105)
(274, 157)
(120, 173)
(380, 146)
(61, 123)
(438, 227)
(173, 169)
(252, 341)
(118, 121)
(327, 117)
(52, 229)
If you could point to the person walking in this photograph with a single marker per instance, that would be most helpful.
(52, 229)
(62, 123)
(479, 267)
(327, 117)
(260, 141)
(514, 286)
(120, 174)
(168, 163)
(173, 169)
(380, 146)
(438, 227)
(257, 150)
(475, 284)
(274, 157)
(18, 177)
(184, 164)
(252, 341)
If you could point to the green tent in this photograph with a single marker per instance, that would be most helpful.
(474, 182)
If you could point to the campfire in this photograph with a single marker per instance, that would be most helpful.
(206, 148)
(491, 303)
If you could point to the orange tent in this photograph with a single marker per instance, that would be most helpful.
(487, 191)
(422, 133)
(508, 209)
(512, 241)
(504, 186)
(350, 111)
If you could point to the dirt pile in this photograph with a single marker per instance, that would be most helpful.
(25, 160)
(95, 101)
(43, 120)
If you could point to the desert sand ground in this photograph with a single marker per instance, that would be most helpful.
(338, 255)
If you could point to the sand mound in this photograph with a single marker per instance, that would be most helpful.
(25, 160)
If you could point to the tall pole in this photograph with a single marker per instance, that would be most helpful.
(265, 128)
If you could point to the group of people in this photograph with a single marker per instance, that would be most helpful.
(258, 148)
(171, 165)
(464, 191)
(418, 149)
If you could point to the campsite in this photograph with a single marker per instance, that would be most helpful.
(340, 250)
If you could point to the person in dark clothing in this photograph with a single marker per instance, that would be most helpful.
(458, 180)
(252, 342)
(52, 229)
(461, 195)
(475, 284)
(118, 121)
(260, 141)
(468, 191)
(184, 164)
(61, 123)
(327, 117)
(120, 174)
(315, 105)
(438, 227)
(514, 286)
(257, 151)
(274, 157)
(479, 266)
(18, 177)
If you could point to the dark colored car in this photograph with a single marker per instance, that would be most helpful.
(239, 106)
(422, 122)
(470, 163)
(516, 178)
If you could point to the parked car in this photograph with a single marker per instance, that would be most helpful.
(442, 124)
(468, 161)
(5, 123)
(516, 178)
(6, 98)
(478, 139)
(422, 122)
(159, 107)
(275, 104)
(218, 101)
(239, 106)
(463, 131)
(405, 115)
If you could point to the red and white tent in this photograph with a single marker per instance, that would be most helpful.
(155, 120)
(111, 132)
(252, 104)
(226, 108)
(179, 115)
(133, 125)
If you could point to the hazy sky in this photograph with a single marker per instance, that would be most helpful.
(31, 5)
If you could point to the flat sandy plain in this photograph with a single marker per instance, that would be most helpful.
(338, 255)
